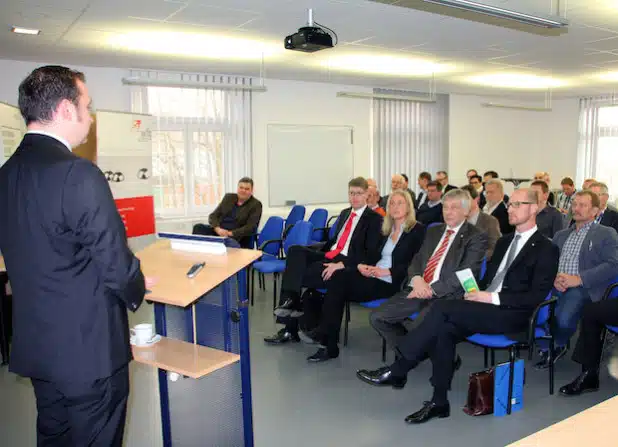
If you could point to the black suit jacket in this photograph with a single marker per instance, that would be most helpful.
(247, 217)
(502, 215)
(466, 251)
(428, 215)
(365, 238)
(448, 188)
(610, 218)
(71, 270)
(409, 244)
(531, 275)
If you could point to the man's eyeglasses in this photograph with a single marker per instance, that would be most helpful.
(518, 204)
(356, 193)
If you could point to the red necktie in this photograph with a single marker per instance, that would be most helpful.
(343, 239)
(436, 257)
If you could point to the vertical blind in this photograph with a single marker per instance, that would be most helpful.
(408, 137)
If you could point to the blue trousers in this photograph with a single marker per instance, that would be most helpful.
(568, 313)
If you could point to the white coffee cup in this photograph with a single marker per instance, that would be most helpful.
(142, 333)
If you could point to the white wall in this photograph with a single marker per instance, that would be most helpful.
(512, 142)
(290, 102)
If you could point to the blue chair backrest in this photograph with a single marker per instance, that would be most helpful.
(332, 232)
(300, 234)
(483, 269)
(272, 230)
(433, 224)
(297, 213)
(318, 219)
(543, 314)
(614, 292)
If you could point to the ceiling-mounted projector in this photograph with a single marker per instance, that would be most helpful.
(310, 38)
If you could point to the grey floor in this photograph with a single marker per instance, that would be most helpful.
(301, 405)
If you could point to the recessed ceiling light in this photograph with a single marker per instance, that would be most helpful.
(609, 76)
(195, 45)
(387, 65)
(30, 31)
(516, 80)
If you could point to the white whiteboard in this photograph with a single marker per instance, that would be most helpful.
(12, 129)
(310, 165)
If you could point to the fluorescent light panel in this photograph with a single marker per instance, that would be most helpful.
(190, 84)
(495, 11)
(516, 80)
(385, 65)
(361, 95)
(516, 107)
(29, 31)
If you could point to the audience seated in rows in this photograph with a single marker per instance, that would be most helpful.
(357, 239)
(519, 277)
(381, 276)
(447, 248)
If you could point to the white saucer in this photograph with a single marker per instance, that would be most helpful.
(152, 341)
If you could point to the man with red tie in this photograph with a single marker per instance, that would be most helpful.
(356, 241)
(447, 248)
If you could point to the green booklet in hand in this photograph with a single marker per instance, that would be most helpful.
(467, 281)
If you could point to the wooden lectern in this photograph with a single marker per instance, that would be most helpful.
(205, 344)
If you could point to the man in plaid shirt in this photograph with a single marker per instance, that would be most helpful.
(588, 263)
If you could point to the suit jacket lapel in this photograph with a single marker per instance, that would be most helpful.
(456, 246)
(524, 250)
(499, 254)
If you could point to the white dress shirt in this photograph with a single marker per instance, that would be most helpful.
(51, 135)
(359, 212)
(436, 274)
(495, 297)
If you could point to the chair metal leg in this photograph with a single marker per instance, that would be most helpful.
(251, 284)
(383, 350)
(275, 275)
(262, 281)
(551, 365)
(493, 357)
(511, 377)
(346, 323)
(486, 357)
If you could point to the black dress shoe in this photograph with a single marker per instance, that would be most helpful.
(429, 411)
(558, 354)
(380, 377)
(322, 355)
(281, 337)
(584, 383)
(287, 308)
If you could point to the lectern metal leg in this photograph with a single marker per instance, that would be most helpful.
(161, 329)
(245, 364)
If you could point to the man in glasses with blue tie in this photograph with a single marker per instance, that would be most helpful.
(519, 276)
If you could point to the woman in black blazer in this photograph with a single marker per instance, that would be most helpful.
(402, 237)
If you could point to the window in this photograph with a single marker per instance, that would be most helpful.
(201, 144)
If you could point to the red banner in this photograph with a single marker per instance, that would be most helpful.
(137, 213)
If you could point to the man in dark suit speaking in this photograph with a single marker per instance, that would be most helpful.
(72, 273)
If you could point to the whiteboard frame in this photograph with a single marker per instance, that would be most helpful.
(268, 154)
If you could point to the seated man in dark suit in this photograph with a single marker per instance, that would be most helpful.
(588, 263)
(237, 216)
(519, 277)
(487, 176)
(442, 177)
(447, 248)
(607, 216)
(549, 220)
(356, 242)
(589, 346)
(431, 211)
(495, 205)
(483, 221)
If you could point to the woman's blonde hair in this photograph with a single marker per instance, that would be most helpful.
(388, 223)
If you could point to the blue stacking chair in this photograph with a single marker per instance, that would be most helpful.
(296, 214)
(273, 228)
(318, 219)
(540, 327)
(299, 234)
(434, 224)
